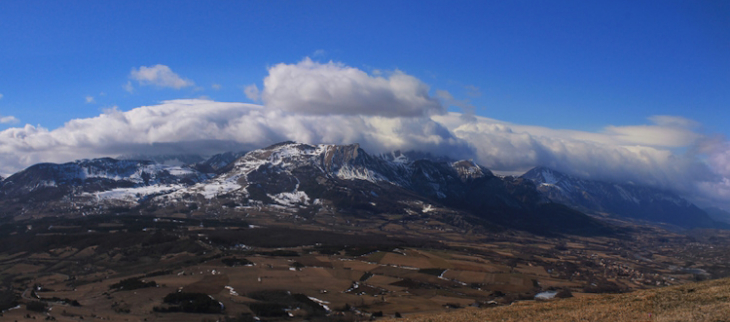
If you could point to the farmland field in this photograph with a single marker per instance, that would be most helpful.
(343, 272)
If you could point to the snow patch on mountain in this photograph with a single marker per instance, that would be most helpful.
(626, 195)
(548, 177)
(469, 170)
(132, 194)
(214, 189)
(352, 173)
(291, 199)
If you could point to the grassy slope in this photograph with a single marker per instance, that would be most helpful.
(704, 301)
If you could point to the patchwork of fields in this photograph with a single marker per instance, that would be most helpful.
(119, 268)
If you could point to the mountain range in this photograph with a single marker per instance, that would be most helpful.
(299, 178)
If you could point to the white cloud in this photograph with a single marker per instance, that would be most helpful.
(473, 91)
(203, 126)
(216, 86)
(445, 95)
(618, 154)
(90, 100)
(466, 107)
(128, 87)
(159, 75)
(674, 121)
(1, 96)
(667, 131)
(8, 119)
(252, 92)
(335, 89)
(717, 151)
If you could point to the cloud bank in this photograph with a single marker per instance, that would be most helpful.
(609, 155)
(332, 103)
(203, 126)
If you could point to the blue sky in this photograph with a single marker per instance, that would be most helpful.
(621, 90)
(567, 64)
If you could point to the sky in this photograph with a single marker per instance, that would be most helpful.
(626, 91)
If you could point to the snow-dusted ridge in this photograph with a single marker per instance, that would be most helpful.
(269, 170)
(102, 180)
(281, 160)
(622, 199)
(292, 176)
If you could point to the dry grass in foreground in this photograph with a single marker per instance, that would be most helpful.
(704, 301)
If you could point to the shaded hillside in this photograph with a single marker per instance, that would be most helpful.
(626, 200)
(719, 214)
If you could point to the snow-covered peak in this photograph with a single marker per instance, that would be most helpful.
(342, 161)
(469, 170)
(287, 155)
(543, 175)
(548, 177)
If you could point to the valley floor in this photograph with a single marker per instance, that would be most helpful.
(333, 267)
